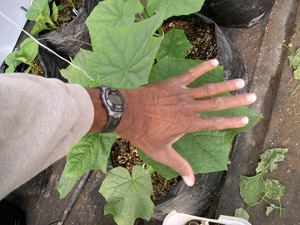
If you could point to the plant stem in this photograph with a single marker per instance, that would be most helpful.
(145, 14)
(285, 45)
(260, 201)
(296, 88)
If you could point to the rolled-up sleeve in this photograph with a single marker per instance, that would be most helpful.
(40, 119)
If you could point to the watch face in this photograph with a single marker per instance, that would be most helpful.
(114, 98)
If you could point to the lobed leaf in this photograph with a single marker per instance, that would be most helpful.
(112, 13)
(174, 44)
(90, 153)
(36, 9)
(251, 187)
(128, 196)
(66, 184)
(241, 213)
(274, 189)
(27, 53)
(174, 7)
(269, 158)
(119, 65)
(75, 76)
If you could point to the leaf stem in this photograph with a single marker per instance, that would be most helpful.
(285, 45)
(260, 201)
(296, 88)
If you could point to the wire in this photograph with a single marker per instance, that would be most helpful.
(50, 50)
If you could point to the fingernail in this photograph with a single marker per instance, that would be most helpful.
(245, 120)
(251, 98)
(240, 83)
(214, 62)
(189, 182)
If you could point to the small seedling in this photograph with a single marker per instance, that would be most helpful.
(251, 188)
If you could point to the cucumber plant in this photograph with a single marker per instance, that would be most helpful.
(124, 51)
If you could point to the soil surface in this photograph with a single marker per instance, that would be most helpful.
(202, 37)
(37, 68)
(66, 15)
(125, 155)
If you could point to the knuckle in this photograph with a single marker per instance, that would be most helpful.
(210, 90)
(219, 103)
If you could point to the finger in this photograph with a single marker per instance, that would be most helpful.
(222, 103)
(174, 160)
(210, 90)
(195, 72)
(218, 123)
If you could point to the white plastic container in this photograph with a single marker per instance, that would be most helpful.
(174, 218)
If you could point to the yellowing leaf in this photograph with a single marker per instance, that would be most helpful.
(274, 189)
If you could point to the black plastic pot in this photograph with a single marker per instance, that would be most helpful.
(236, 13)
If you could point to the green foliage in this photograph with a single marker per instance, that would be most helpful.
(124, 52)
(241, 213)
(174, 44)
(66, 184)
(174, 7)
(26, 54)
(269, 158)
(295, 64)
(113, 13)
(252, 187)
(90, 153)
(128, 196)
(40, 12)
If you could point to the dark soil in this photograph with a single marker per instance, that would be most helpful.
(125, 155)
(66, 15)
(37, 68)
(202, 37)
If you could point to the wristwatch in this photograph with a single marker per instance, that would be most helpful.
(114, 102)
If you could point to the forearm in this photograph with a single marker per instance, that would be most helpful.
(40, 120)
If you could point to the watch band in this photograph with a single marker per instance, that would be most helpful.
(114, 103)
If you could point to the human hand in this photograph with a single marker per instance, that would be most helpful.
(159, 114)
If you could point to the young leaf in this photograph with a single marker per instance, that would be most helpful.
(28, 52)
(123, 59)
(269, 158)
(241, 213)
(36, 9)
(112, 13)
(174, 7)
(250, 188)
(206, 151)
(55, 11)
(75, 76)
(175, 44)
(274, 189)
(295, 64)
(269, 209)
(128, 196)
(66, 184)
(41, 22)
(90, 153)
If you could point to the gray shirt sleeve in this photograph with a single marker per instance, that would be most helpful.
(40, 119)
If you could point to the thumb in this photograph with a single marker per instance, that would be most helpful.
(174, 160)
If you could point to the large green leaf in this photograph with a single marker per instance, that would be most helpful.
(124, 59)
(251, 187)
(36, 9)
(207, 151)
(66, 184)
(128, 197)
(28, 52)
(175, 44)
(112, 13)
(90, 153)
(76, 76)
(269, 158)
(274, 189)
(174, 7)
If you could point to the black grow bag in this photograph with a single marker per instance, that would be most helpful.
(236, 13)
(192, 200)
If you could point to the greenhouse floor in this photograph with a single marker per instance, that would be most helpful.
(271, 78)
